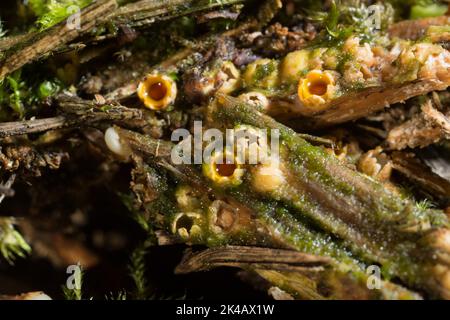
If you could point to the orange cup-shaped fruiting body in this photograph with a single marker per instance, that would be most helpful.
(222, 171)
(157, 91)
(316, 89)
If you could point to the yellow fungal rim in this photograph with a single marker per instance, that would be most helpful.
(183, 232)
(316, 88)
(210, 170)
(169, 86)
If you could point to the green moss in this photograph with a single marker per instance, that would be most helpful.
(414, 9)
(22, 92)
(430, 10)
(347, 18)
(12, 93)
(51, 12)
(48, 88)
(12, 244)
(264, 70)
(343, 59)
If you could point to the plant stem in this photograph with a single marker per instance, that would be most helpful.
(344, 203)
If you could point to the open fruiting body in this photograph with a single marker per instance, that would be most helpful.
(157, 91)
(322, 82)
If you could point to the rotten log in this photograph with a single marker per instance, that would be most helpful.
(428, 127)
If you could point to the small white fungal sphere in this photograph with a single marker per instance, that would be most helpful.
(37, 295)
(112, 140)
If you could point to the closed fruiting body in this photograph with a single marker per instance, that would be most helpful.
(310, 81)
(268, 177)
(114, 143)
(252, 145)
(294, 65)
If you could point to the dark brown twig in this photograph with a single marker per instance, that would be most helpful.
(49, 40)
(77, 112)
(246, 257)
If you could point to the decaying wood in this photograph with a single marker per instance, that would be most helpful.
(146, 145)
(417, 172)
(168, 65)
(9, 42)
(428, 127)
(30, 159)
(57, 38)
(145, 12)
(95, 110)
(77, 112)
(182, 59)
(250, 257)
(49, 40)
(300, 275)
(367, 204)
(361, 104)
(32, 126)
(277, 267)
(415, 29)
(219, 14)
